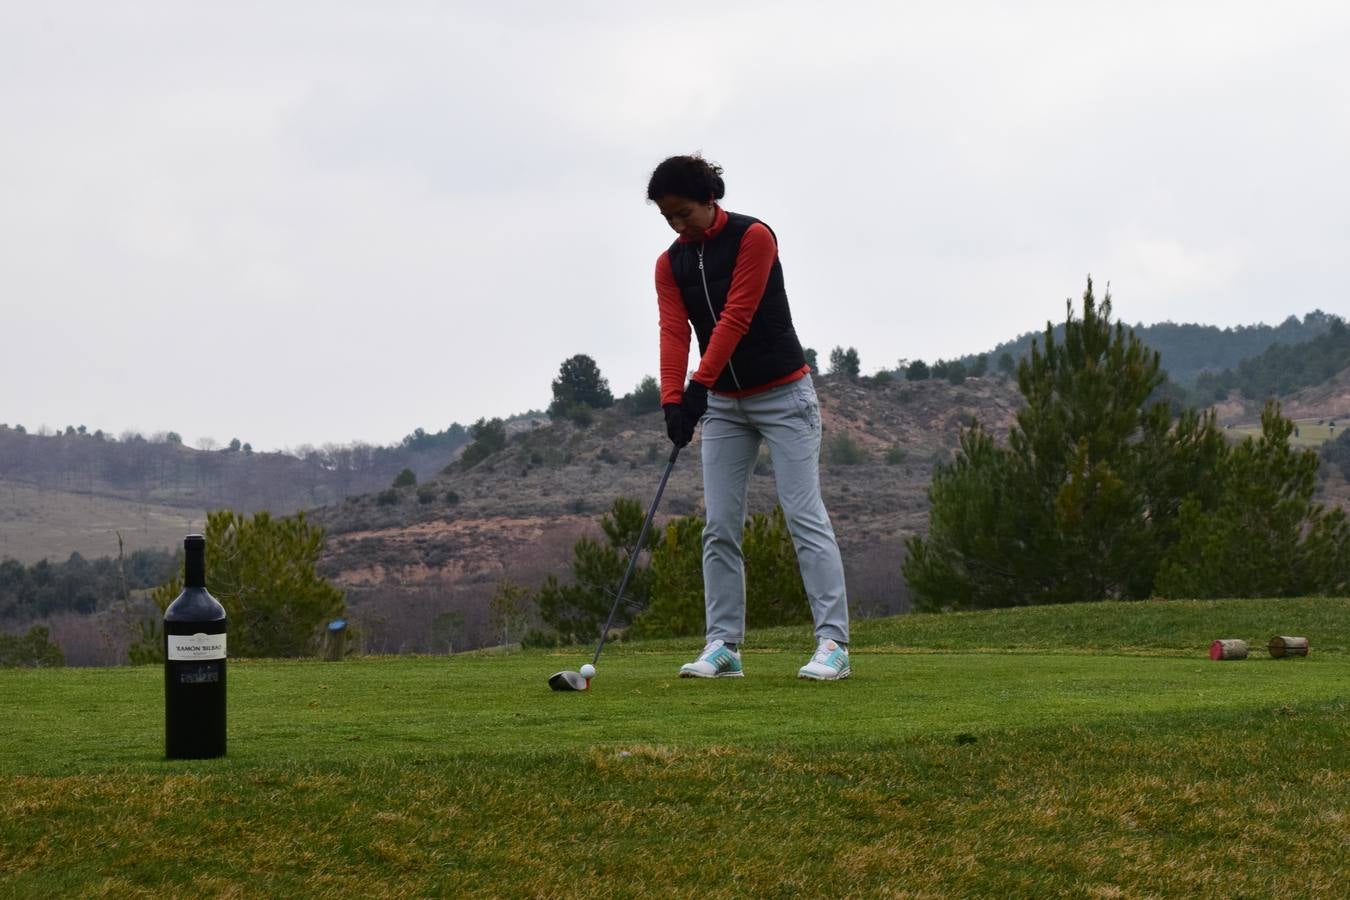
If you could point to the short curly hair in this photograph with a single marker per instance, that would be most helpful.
(691, 177)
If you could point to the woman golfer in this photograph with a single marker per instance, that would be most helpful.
(722, 277)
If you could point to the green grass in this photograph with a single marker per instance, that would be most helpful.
(1086, 750)
(1310, 433)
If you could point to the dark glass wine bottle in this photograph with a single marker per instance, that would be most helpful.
(194, 665)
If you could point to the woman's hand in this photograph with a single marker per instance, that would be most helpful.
(682, 418)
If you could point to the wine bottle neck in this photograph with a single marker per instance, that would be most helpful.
(194, 574)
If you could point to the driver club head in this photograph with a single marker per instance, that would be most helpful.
(568, 681)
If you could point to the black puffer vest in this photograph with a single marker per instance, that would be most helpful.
(702, 269)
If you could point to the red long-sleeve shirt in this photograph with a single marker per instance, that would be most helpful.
(754, 262)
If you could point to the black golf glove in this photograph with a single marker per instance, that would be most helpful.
(682, 418)
(676, 430)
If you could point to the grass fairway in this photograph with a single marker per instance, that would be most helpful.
(1077, 750)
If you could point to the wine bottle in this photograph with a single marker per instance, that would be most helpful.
(194, 664)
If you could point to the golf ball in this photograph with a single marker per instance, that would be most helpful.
(588, 671)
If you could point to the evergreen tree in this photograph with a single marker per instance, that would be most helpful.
(1007, 366)
(579, 383)
(646, 397)
(845, 362)
(489, 436)
(917, 371)
(576, 611)
(1083, 500)
(1264, 537)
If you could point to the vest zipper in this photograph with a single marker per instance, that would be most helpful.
(708, 297)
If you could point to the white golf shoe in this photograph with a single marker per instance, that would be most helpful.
(716, 661)
(829, 663)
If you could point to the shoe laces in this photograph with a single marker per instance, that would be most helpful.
(711, 648)
(823, 652)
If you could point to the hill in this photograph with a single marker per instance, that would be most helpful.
(1188, 350)
(38, 524)
(517, 514)
(1119, 764)
(71, 490)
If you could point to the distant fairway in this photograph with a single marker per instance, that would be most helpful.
(1090, 750)
(1312, 433)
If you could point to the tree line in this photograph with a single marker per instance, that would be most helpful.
(78, 585)
(1282, 368)
(167, 471)
(1188, 350)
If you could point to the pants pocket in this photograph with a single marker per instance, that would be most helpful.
(808, 407)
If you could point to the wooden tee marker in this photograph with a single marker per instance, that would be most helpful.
(1281, 646)
(1228, 649)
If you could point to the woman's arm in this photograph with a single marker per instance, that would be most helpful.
(675, 332)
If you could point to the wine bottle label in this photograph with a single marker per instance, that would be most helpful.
(196, 646)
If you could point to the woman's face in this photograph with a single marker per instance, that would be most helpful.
(689, 218)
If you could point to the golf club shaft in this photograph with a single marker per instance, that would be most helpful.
(632, 558)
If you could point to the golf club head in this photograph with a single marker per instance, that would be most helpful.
(567, 681)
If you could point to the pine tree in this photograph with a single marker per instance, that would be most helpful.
(1083, 501)
(1264, 537)
(579, 383)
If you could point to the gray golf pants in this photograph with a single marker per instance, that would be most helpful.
(788, 418)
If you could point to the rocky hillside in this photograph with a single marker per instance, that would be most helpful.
(517, 513)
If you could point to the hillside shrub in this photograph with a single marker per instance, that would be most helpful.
(896, 454)
(489, 437)
(426, 494)
(387, 497)
(646, 397)
(451, 497)
(579, 414)
(406, 478)
(842, 450)
(32, 650)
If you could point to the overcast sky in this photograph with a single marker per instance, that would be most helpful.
(304, 222)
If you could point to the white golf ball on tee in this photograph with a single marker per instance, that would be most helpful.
(588, 671)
